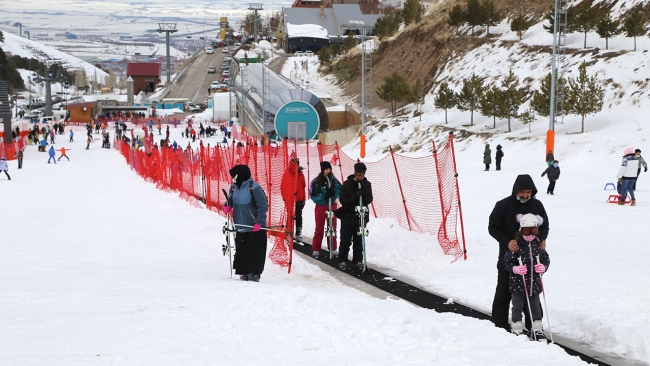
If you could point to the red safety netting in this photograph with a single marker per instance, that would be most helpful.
(421, 193)
(8, 150)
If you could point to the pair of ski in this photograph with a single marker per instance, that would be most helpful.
(229, 231)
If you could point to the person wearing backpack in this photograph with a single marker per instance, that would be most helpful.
(248, 205)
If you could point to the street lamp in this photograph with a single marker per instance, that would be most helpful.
(255, 7)
(20, 26)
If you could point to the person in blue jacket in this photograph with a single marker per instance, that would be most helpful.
(247, 202)
(52, 153)
(43, 143)
(325, 188)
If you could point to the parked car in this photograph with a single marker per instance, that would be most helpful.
(225, 66)
(212, 70)
(237, 44)
(228, 58)
(225, 50)
(215, 85)
(225, 78)
(209, 50)
(309, 53)
(299, 53)
(191, 107)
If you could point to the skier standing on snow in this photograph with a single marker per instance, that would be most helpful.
(247, 202)
(637, 153)
(529, 251)
(354, 187)
(498, 156)
(4, 167)
(487, 157)
(627, 175)
(63, 151)
(321, 195)
(19, 155)
(71, 135)
(553, 173)
(293, 191)
(503, 226)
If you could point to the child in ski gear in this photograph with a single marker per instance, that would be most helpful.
(498, 157)
(627, 175)
(71, 135)
(356, 186)
(525, 274)
(324, 190)
(51, 152)
(487, 157)
(503, 226)
(63, 150)
(549, 158)
(293, 192)
(4, 167)
(553, 172)
(247, 202)
(90, 139)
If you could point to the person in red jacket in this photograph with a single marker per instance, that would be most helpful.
(63, 150)
(293, 190)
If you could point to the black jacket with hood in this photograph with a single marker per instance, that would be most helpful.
(349, 199)
(503, 223)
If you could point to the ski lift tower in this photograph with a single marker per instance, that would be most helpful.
(366, 78)
(167, 28)
(558, 69)
(255, 7)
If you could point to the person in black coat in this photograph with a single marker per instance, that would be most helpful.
(498, 157)
(553, 173)
(355, 187)
(503, 226)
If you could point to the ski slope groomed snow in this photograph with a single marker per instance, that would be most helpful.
(98, 266)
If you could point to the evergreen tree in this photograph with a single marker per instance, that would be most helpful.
(417, 95)
(527, 118)
(470, 95)
(336, 49)
(395, 89)
(540, 103)
(412, 11)
(608, 28)
(634, 25)
(520, 24)
(325, 56)
(402, 89)
(490, 103)
(474, 14)
(456, 16)
(511, 97)
(350, 42)
(491, 17)
(585, 96)
(9, 73)
(387, 25)
(2, 37)
(586, 21)
(445, 99)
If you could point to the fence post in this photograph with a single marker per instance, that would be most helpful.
(308, 170)
(338, 156)
(460, 208)
(442, 203)
(401, 191)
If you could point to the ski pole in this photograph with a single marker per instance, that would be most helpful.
(530, 312)
(263, 228)
(548, 320)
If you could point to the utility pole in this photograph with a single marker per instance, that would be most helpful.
(167, 28)
(255, 7)
(20, 27)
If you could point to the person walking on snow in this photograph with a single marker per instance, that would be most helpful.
(355, 187)
(63, 151)
(4, 167)
(322, 196)
(51, 152)
(498, 156)
(71, 135)
(627, 174)
(553, 173)
(293, 191)
(247, 202)
(637, 153)
(19, 155)
(550, 158)
(523, 266)
(487, 157)
(503, 227)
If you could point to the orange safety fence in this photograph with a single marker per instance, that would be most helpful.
(9, 149)
(421, 193)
